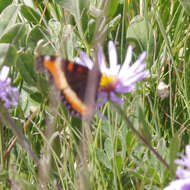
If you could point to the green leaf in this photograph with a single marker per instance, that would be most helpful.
(78, 9)
(186, 5)
(84, 4)
(113, 24)
(42, 84)
(34, 36)
(174, 148)
(123, 142)
(8, 54)
(43, 48)
(91, 30)
(15, 35)
(24, 103)
(25, 65)
(4, 4)
(4, 175)
(74, 6)
(30, 98)
(106, 128)
(119, 162)
(108, 147)
(103, 158)
(26, 185)
(113, 4)
(70, 5)
(8, 17)
(37, 97)
(130, 140)
(161, 147)
(70, 43)
(55, 29)
(30, 14)
(140, 32)
(144, 126)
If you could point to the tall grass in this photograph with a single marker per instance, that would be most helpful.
(95, 154)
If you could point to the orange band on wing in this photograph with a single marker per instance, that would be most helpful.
(54, 68)
(76, 103)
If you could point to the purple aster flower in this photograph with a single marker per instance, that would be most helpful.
(183, 175)
(8, 95)
(117, 78)
(180, 184)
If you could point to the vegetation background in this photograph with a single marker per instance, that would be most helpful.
(111, 156)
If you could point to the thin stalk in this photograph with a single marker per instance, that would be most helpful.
(1, 147)
(140, 136)
(6, 119)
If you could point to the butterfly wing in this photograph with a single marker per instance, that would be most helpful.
(71, 78)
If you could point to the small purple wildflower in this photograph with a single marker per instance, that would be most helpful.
(8, 95)
(117, 78)
(183, 175)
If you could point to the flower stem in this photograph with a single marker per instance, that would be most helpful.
(139, 135)
(1, 147)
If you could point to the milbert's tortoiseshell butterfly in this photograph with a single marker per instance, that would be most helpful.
(71, 79)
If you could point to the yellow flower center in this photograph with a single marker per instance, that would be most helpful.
(107, 80)
(108, 83)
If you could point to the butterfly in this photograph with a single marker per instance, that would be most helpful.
(71, 79)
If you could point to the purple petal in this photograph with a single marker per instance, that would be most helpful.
(87, 61)
(182, 173)
(187, 151)
(124, 89)
(181, 184)
(185, 161)
(101, 116)
(136, 78)
(128, 56)
(186, 186)
(137, 64)
(115, 99)
(102, 98)
(127, 61)
(146, 74)
(141, 57)
(112, 57)
(130, 73)
(4, 73)
(79, 61)
(140, 68)
(134, 73)
(8, 95)
(102, 62)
